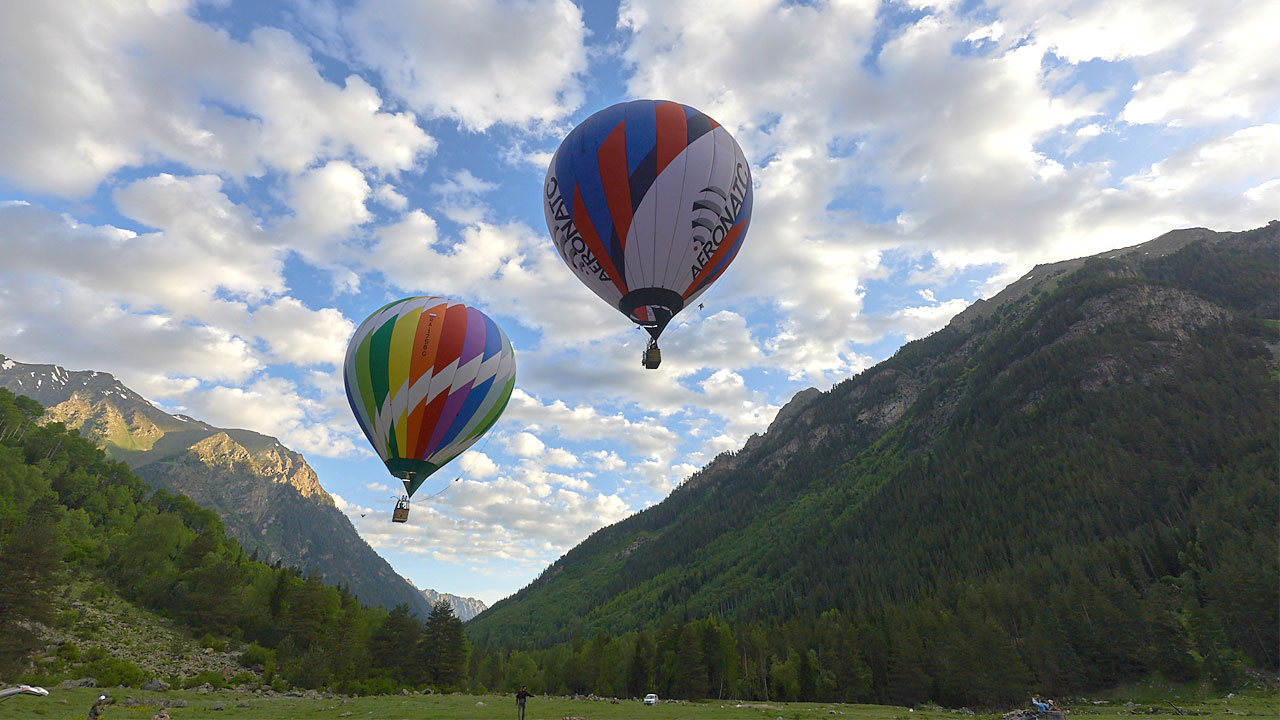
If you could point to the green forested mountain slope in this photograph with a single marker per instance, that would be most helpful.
(267, 496)
(76, 527)
(1072, 484)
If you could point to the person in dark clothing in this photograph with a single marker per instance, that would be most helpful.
(95, 712)
(520, 698)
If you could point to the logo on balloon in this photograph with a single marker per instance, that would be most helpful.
(708, 234)
(567, 238)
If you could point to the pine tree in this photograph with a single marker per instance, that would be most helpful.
(30, 568)
(691, 672)
(394, 644)
(443, 647)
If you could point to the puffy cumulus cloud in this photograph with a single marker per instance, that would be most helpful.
(1228, 165)
(387, 195)
(607, 460)
(1228, 71)
(477, 465)
(296, 334)
(1095, 29)
(583, 422)
(525, 445)
(916, 322)
(460, 197)
(273, 406)
(506, 269)
(486, 62)
(92, 87)
(209, 264)
(502, 519)
(785, 53)
(534, 475)
(657, 476)
(725, 393)
(45, 320)
(328, 204)
(206, 246)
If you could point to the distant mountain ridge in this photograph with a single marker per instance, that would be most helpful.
(267, 495)
(463, 607)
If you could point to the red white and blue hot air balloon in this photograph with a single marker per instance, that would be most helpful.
(648, 202)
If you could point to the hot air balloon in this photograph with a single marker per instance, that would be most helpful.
(426, 377)
(648, 202)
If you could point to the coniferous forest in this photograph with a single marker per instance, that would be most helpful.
(1062, 493)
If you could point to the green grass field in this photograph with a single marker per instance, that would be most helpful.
(74, 704)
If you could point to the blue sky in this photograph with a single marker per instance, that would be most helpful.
(205, 199)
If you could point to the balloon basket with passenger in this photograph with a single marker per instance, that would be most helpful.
(651, 358)
(401, 513)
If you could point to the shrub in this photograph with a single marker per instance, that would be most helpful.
(95, 592)
(69, 652)
(110, 671)
(255, 654)
(208, 640)
(212, 677)
(371, 686)
(67, 619)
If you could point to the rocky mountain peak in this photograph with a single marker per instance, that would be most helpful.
(464, 607)
(219, 450)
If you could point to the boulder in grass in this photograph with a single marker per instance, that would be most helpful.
(155, 685)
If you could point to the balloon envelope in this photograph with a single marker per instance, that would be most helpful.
(426, 377)
(648, 202)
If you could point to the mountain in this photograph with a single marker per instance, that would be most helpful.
(463, 608)
(1071, 484)
(266, 494)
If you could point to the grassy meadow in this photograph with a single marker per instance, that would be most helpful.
(69, 704)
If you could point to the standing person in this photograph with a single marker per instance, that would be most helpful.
(520, 698)
(95, 711)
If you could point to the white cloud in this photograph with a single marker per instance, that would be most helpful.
(93, 87)
(477, 465)
(302, 336)
(607, 460)
(511, 270)
(1229, 71)
(328, 203)
(503, 519)
(525, 445)
(274, 407)
(490, 61)
(1226, 165)
(583, 422)
(1096, 29)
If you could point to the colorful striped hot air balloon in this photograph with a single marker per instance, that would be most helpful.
(426, 377)
(648, 202)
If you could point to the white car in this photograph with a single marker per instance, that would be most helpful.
(650, 699)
